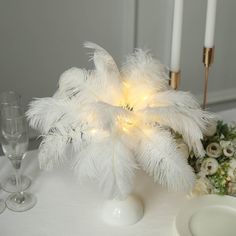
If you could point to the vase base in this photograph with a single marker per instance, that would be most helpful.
(123, 212)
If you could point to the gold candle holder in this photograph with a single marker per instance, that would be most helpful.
(174, 79)
(208, 59)
(208, 56)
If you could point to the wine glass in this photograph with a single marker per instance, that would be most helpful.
(14, 144)
(2, 206)
(10, 98)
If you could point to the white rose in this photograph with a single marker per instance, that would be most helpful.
(229, 151)
(209, 166)
(202, 186)
(224, 143)
(232, 188)
(231, 173)
(232, 164)
(232, 170)
(214, 150)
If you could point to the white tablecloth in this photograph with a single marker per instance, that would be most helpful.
(68, 208)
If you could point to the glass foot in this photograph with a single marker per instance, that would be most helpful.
(2, 206)
(9, 184)
(21, 202)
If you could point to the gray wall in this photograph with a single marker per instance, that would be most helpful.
(154, 31)
(41, 39)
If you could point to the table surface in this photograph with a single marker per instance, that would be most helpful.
(66, 207)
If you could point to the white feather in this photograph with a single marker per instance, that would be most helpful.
(106, 75)
(185, 103)
(71, 82)
(85, 136)
(91, 89)
(188, 123)
(99, 115)
(52, 151)
(43, 113)
(103, 61)
(159, 157)
(174, 98)
(111, 164)
(106, 115)
(79, 86)
(141, 66)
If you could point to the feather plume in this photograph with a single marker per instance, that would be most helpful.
(43, 113)
(188, 123)
(52, 151)
(103, 61)
(174, 98)
(159, 157)
(81, 86)
(71, 82)
(110, 163)
(106, 74)
(144, 76)
(104, 116)
(141, 66)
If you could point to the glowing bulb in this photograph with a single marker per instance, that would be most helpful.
(93, 131)
(126, 84)
(125, 124)
(125, 129)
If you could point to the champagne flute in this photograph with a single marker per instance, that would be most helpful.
(10, 98)
(14, 144)
(2, 206)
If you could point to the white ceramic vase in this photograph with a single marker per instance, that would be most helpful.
(123, 212)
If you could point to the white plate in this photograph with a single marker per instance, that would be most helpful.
(209, 215)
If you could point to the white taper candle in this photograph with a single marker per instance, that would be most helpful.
(210, 23)
(176, 36)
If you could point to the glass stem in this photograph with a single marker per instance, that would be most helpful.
(17, 166)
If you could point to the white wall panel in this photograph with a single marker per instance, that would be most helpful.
(41, 39)
(154, 31)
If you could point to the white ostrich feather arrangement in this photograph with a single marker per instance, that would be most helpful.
(117, 121)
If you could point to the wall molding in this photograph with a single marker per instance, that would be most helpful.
(221, 96)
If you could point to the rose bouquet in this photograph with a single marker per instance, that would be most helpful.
(216, 171)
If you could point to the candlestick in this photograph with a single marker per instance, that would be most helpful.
(176, 44)
(210, 23)
(174, 79)
(208, 51)
(208, 58)
(176, 36)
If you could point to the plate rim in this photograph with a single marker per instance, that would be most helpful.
(188, 209)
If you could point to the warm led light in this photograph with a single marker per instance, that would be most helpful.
(112, 115)
(126, 124)
(93, 131)
(125, 129)
(126, 84)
